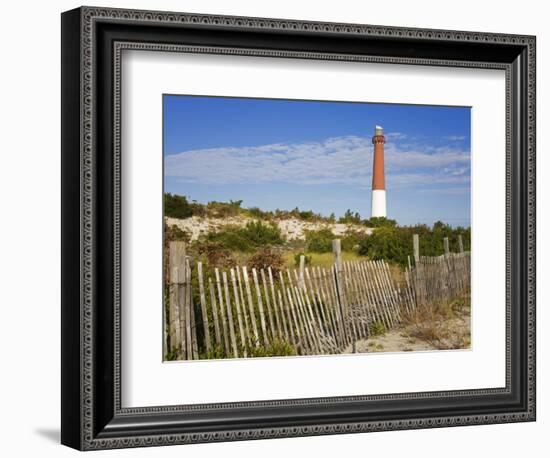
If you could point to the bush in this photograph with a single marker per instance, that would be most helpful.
(216, 255)
(247, 239)
(349, 217)
(267, 257)
(177, 206)
(256, 212)
(223, 209)
(380, 221)
(319, 241)
(231, 238)
(377, 328)
(395, 244)
(391, 244)
(261, 234)
(352, 239)
(276, 348)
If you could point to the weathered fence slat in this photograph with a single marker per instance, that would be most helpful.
(260, 307)
(230, 316)
(239, 313)
(270, 318)
(247, 335)
(275, 305)
(222, 312)
(214, 308)
(251, 307)
(204, 311)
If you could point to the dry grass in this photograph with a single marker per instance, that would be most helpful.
(322, 259)
(445, 326)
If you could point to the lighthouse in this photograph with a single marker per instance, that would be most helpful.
(378, 208)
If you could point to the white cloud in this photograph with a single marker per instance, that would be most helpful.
(447, 191)
(396, 136)
(338, 160)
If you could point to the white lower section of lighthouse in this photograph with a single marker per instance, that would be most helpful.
(378, 203)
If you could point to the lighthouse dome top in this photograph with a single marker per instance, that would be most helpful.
(378, 130)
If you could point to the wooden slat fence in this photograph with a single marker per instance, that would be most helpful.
(316, 310)
(438, 278)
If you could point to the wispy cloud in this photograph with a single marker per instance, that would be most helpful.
(455, 138)
(446, 191)
(339, 160)
(396, 136)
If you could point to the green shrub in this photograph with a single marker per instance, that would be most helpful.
(350, 217)
(216, 352)
(177, 206)
(216, 209)
(261, 234)
(276, 348)
(258, 213)
(247, 239)
(380, 221)
(319, 241)
(230, 238)
(395, 244)
(391, 244)
(307, 215)
(352, 239)
(304, 215)
(377, 328)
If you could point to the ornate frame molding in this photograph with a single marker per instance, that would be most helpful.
(89, 435)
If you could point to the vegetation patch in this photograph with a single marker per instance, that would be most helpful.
(394, 244)
(319, 241)
(297, 256)
(377, 328)
(267, 257)
(443, 325)
(247, 239)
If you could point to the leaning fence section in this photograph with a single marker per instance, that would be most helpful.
(243, 312)
(436, 278)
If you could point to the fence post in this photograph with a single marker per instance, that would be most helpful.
(175, 310)
(460, 244)
(337, 251)
(416, 248)
(418, 272)
(446, 245)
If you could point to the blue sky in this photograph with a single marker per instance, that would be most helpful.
(318, 155)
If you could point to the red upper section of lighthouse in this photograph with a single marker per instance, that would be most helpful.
(378, 178)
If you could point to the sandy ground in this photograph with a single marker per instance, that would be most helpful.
(292, 228)
(392, 341)
(445, 334)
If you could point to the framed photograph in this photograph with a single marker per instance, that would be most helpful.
(276, 228)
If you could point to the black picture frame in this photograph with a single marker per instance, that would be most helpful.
(92, 416)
